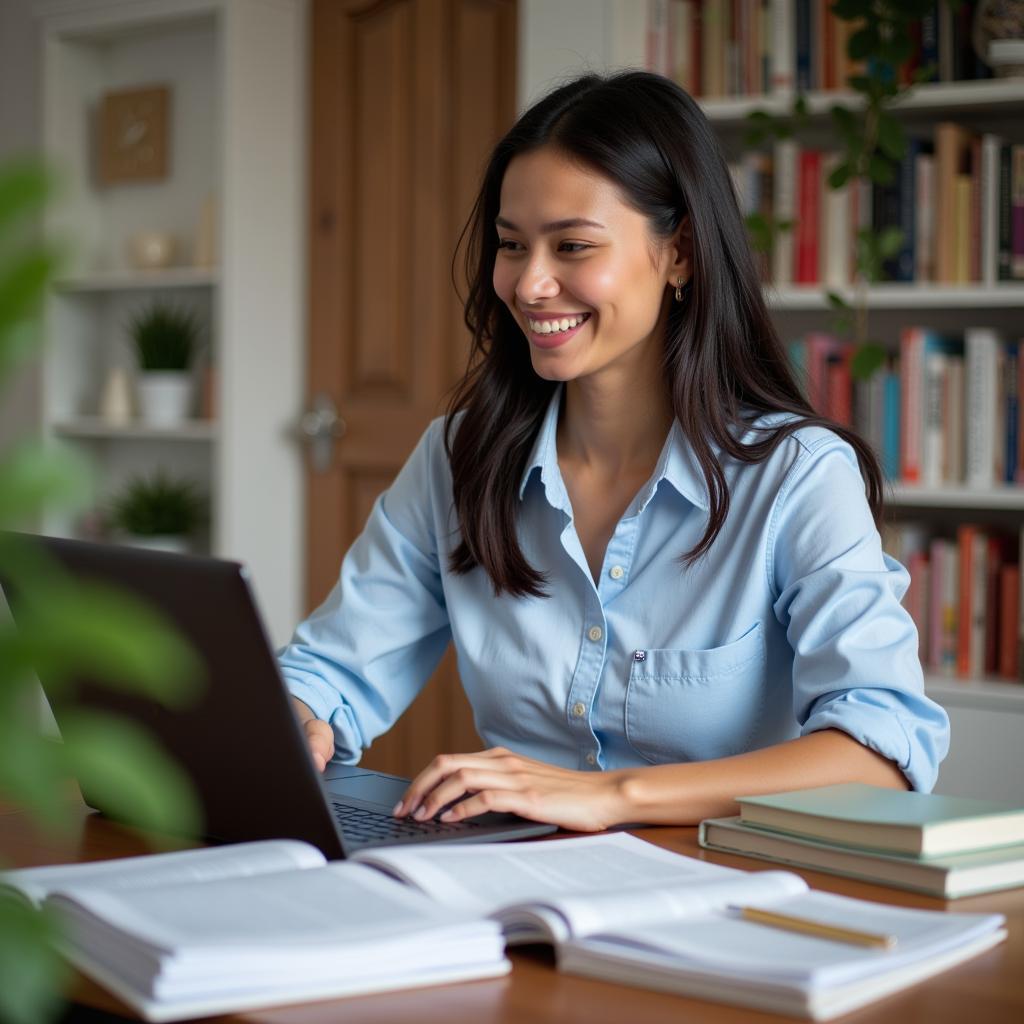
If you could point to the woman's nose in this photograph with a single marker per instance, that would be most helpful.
(536, 282)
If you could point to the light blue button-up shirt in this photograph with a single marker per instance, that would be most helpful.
(791, 623)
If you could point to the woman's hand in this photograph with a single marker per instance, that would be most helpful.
(319, 735)
(498, 780)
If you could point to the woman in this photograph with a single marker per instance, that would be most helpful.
(660, 569)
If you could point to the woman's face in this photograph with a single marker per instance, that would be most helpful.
(578, 268)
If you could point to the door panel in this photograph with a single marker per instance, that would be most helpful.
(408, 98)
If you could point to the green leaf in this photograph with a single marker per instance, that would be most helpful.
(863, 43)
(32, 772)
(25, 185)
(880, 170)
(760, 232)
(800, 108)
(23, 285)
(122, 766)
(836, 301)
(32, 975)
(890, 241)
(892, 140)
(840, 176)
(859, 83)
(850, 10)
(34, 477)
(867, 360)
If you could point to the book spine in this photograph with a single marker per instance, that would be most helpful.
(1017, 213)
(981, 397)
(954, 445)
(990, 147)
(924, 219)
(911, 377)
(1011, 417)
(937, 584)
(947, 146)
(930, 43)
(837, 228)
(1005, 262)
(840, 388)
(974, 212)
(905, 213)
(979, 594)
(965, 543)
(993, 570)
(962, 230)
(950, 610)
(809, 205)
(893, 426)
(786, 153)
(936, 375)
(803, 45)
(1009, 615)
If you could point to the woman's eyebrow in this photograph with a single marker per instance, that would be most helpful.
(555, 225)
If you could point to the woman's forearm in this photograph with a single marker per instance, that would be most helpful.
(683, 794)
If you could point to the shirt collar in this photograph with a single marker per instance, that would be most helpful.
(677, 465)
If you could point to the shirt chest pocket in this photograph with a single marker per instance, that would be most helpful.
(686, 705)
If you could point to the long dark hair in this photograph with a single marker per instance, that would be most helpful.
(724, 363)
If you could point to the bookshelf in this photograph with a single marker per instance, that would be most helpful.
(236, 140)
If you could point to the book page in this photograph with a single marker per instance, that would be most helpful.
(491, 877)
(163, 868)
(723, 944)
(287, 914)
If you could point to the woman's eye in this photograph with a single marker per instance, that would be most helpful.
(507, 243)
(573, 246)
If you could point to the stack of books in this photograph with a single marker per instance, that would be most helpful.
(941, 845)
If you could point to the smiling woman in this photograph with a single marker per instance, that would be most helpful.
(660, 569)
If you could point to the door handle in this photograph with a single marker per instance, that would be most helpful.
(318, 428)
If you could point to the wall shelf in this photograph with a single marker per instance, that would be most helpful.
(980, 694)
(134, 280)
(900, 296)
(92, 427)
(999, 96)
(911, 496)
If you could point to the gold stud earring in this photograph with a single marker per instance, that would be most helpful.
(679, 289)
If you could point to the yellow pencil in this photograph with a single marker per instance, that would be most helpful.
(823, 931)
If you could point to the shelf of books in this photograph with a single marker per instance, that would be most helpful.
(942, 408)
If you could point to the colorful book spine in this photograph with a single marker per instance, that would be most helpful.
(893, 426)
(982, 392)
(808, 225)
(1017, 213)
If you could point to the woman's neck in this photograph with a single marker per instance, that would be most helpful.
(614, 428)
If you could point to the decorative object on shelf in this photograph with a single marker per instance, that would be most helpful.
(208, 396)
(166, 340)
(205, 251)
(152, 250)
(133, 143)
(158, 512)
(116, 405)
(998, 35)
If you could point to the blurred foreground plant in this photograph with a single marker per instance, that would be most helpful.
(65, 629)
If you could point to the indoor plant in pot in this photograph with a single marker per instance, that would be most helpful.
(158, 512)
(166, 340)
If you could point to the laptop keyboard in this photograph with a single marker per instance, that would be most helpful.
(362, 825)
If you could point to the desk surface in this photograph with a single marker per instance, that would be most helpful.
(987, 990)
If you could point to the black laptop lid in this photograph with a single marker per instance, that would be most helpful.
(239, 742)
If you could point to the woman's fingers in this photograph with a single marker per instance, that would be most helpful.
(460, 783)
(439, 769)
(320, 737)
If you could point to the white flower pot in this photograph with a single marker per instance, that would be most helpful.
(176, 544)
(165, 397)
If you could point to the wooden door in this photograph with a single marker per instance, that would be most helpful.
(408, 98)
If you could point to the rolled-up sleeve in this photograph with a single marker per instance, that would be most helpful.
(855, 647)
(362, 657)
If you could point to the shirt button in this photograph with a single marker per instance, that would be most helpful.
(617, 572)
(595, 633)
(579, 709)
(591, 760)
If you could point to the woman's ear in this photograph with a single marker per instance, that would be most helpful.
(682, 253)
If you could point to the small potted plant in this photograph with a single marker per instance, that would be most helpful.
(158, 512)
(166, 340)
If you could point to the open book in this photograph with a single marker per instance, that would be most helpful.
(206, 930)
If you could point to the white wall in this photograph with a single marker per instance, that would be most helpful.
(558, 41)
(19, 134)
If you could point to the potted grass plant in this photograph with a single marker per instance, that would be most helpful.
(166, 340)
(158, 512)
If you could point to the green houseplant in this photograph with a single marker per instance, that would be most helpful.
(872, 143)
(64, 628)
(158, 511)
(166, 340)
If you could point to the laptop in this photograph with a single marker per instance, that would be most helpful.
(240, 742)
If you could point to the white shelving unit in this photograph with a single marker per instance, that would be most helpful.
(237, 75)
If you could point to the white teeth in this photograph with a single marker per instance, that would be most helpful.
(556, 326)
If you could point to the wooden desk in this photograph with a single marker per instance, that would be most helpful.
(987, 990)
